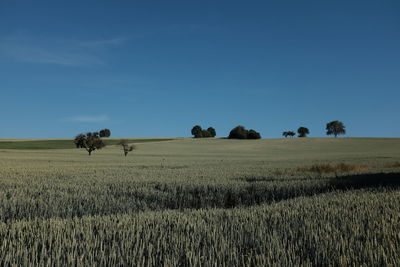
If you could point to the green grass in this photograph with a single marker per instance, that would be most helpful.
(65, 143)
(214, 202)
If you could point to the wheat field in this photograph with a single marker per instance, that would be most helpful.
(209, 202)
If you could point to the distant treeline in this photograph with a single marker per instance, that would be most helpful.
(240, 132)
(92, 141)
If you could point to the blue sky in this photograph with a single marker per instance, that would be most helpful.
(157, 68)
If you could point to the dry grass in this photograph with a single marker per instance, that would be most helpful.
(332, 168)
(393, 165)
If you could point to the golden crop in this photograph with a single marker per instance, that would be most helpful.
(203, 203)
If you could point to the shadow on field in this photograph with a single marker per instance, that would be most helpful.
(267, 190)
(374, 180)
(122, 198)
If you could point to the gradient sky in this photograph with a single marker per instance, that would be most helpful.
(157, 68)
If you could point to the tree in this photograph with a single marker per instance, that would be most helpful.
(335, 128)
(89, 141)
(212, 131)
(240, 132)
(205, 133)
(105, 133)
(303, 131)
(197, 131)
(126, 147)
(252, 134)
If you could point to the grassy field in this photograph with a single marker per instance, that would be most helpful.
(215, 202)
(65, 143)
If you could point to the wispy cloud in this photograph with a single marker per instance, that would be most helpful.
(34, 54)
(55, 51)
(85, 118)
(99, 43)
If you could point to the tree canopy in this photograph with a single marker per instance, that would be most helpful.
(303, 132)
(240, 132)
(90, 141)
(105, 133)
(199, 132)
(335, 128)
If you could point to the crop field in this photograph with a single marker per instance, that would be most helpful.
(202, 202)
(63, 143)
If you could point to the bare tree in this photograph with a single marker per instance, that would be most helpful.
(126, 147)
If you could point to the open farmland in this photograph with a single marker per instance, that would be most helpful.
(304, 201)
(31, 144)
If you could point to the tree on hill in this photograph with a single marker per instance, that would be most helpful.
(199, 132)
(303, 131)
(212, 131)
(252, 134)
(335, 128)
(240, 132)
(89, 141)
(105, 133)
(288, 133)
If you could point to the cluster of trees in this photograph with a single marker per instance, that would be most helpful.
(332, 128)
(240, 132)
(199, 132)
(92, 141)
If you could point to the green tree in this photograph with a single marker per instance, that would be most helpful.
(197, 131)
(252, 134)
(89, 141)
(212, 131)
(240, 132)
(303, 132)
(105, 133)
(335, 128)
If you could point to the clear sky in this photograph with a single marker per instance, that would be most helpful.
(157, 68)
